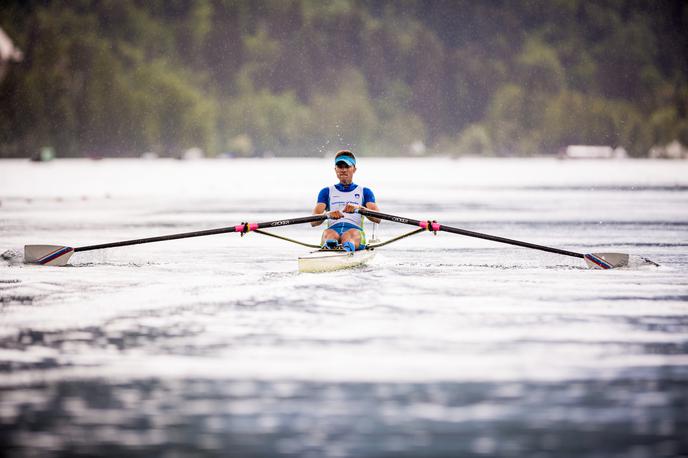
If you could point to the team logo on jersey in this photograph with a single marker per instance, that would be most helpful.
(357, 195)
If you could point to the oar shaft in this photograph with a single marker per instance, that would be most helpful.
(222, 230)
(456, 230)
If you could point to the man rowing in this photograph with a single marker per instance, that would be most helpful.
(344, 227)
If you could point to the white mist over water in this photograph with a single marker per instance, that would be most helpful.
(440, 333)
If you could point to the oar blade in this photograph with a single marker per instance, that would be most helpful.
(47, 255)
(606, 260)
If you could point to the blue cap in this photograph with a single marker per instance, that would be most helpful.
(348, 160)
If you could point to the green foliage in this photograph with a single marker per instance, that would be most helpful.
(475, 141)
(506, 120)
(345, 116)
(539, 68)
(296, 77)
(172, 113)
(271, 122)
(396, 135)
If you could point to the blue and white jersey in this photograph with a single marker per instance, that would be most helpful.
(336, 197)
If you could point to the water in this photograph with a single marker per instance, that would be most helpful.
(442, 346)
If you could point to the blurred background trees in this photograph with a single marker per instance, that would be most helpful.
(301, 77)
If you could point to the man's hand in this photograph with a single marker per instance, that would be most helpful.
(335, 214)
(350, 208)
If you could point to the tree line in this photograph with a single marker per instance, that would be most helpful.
(302, 77)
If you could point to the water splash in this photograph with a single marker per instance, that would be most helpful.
(12, 256)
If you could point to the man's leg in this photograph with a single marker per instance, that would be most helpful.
(328, 236)
(352, 238)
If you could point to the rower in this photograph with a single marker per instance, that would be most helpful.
(344, 228)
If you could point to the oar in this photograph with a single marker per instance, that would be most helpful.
(594, 260)
(56, 255)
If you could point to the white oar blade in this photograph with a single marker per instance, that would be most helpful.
(606, 260)
(47, 255)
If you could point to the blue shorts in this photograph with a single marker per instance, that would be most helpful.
(341, 228)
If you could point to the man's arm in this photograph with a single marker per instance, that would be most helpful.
(369, 203)
(373, 206)
(350, 208)
(320, 209)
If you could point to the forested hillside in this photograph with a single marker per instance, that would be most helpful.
(301, 77)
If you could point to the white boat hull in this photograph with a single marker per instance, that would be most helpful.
(330, 260)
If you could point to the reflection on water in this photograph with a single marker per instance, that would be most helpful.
(639, 411)
(633, 416)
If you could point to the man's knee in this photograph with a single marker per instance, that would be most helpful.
(353, 234)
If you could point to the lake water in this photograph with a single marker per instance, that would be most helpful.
(442, 346)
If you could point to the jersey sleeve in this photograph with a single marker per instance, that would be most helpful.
(368, 196)
(324, 197)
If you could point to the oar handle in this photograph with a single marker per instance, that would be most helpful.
(433, 226)
(246, 227)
